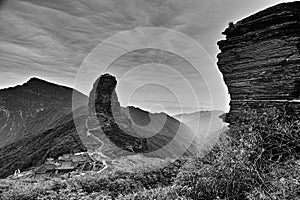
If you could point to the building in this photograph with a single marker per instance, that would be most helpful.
(65, 164)
(46, 169)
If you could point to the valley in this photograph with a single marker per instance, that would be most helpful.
(59, 131)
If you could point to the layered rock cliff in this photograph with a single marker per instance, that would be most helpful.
(260, 60)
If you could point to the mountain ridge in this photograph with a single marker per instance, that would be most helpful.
(21, 105)
(118, 124)
(31, 112)
(66, 130)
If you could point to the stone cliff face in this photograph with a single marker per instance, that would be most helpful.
(104, 104)
(103, 98)
(260, 60)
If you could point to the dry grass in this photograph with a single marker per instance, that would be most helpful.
(256, 159)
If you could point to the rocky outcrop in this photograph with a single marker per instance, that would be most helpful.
(104, 104)
(260, 60)
(134, 130)
(103, 98)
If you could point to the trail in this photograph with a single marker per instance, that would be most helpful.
(99, 150)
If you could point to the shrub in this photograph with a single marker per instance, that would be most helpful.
(255, 159)
(161, 193)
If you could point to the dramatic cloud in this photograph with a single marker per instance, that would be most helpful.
(51, 38)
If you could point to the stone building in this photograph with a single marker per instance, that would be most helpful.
(65, 164)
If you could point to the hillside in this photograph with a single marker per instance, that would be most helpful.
(40, 124)
(128, 128)
(34, 107)
(33, 150)
(162, 130)
(36, 122)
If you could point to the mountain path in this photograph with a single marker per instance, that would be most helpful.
(99, 150)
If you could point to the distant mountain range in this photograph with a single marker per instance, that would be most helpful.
(167, 130)
(207, 126)
(37, 121)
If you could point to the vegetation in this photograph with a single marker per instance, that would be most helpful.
(256, 159)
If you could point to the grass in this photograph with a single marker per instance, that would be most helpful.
(256, 159)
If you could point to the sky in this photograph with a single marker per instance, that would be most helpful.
(163, 52)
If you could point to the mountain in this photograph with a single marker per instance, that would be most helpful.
(132, 130)
(36, 123)
(207, 125)
(33, 150)
(162, 130)
(34, 107)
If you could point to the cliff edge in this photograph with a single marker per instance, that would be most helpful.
(260, 60)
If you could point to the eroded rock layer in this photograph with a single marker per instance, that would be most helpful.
(260, 60)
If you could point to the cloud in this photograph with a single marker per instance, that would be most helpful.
(59, 34)
(50, 38)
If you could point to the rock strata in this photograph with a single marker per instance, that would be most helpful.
(260, 60)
